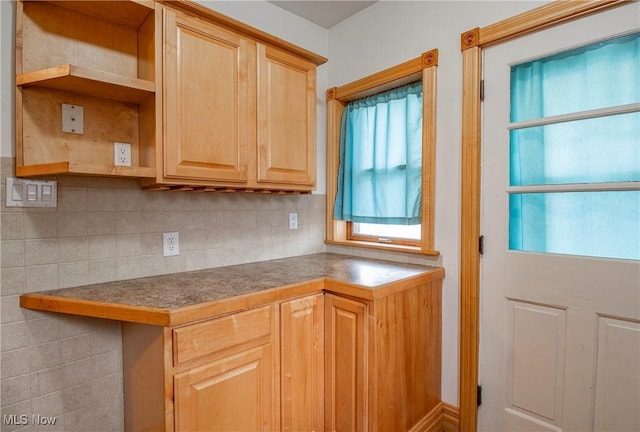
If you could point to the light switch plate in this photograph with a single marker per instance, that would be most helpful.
(31, 193)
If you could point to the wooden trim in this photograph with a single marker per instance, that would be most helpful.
(470, 39)
(54, 168)
(336, 230)
(394, 76)
(381, 246)
(432, 422)
(442, 418)
(472, 43)
(420, 68)
(450, 418)
(470, 232)
(239, 27)
(549, 15)
(429, 102)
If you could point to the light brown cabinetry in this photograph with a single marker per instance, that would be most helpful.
(346, 365)
(209, 86)
(286, 118)
(238, 113)
(204, 101)
(99, 56)
(217, 375)
(302, 364)
(230, 394)
(326, 361)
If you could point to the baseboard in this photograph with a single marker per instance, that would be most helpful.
(442, 418)
(450, 418)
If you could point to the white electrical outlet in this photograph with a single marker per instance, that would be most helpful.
(171, 243)
(122, 154)
(293, 221)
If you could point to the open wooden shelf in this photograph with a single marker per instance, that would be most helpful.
(56, 168)
(89, 82)
(127, 13)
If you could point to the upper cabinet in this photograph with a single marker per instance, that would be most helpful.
(85, 79)
(204, 102)
(286, 118)
(208, 114)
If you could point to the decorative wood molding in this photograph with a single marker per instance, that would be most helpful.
(472, 42)
(430, 58)
(389, 78)
(470, 232)
(331, 93)
(450, 418)
(237, 26)
(442, 418)
(470, 39)
(554, 13)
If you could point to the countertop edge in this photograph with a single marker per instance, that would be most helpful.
(113, 311)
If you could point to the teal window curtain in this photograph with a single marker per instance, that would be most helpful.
(380, 172)
(604, 149)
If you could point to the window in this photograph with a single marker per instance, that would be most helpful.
(380, 180)
(575, 152)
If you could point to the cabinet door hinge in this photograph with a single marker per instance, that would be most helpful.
(481, 245)
(481, 90)
(479, 398)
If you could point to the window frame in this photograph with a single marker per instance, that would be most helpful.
(421, 68)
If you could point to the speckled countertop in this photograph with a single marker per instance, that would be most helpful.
(236, 285)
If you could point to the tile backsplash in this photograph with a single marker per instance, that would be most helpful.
(70, 368)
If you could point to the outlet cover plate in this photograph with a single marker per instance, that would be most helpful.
(293, 221)
(171, 242)
(73, 119)
(121, 154)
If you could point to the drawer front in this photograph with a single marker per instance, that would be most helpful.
(205, 338)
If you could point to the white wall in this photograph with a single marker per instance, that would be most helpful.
(6, 77)
(391, 32)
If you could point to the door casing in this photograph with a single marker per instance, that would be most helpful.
(472, 43)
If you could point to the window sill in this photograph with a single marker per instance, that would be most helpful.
(385, 247)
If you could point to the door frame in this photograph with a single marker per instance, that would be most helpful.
(472, 44)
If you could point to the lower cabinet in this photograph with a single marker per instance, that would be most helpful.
(324, 362)
(345, 364)
(230, 394)
(302, 364)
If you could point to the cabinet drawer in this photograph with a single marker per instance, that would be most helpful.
(219, 334)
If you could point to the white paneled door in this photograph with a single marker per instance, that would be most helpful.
(560, 334)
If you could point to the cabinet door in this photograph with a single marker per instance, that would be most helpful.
(209, 113)
(231, 394)
(286, 118)
(346, 364)
(302, 364)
